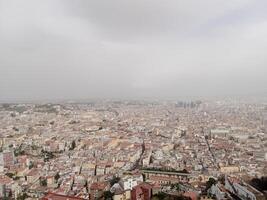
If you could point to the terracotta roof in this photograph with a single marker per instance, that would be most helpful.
(53, 196)
(33, 172)
(144, 185)
(5, 180)
(192, 195)
(98, 186)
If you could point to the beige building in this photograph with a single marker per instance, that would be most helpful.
(229, 169)
(126, 195)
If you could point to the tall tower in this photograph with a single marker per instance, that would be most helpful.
(264, 119)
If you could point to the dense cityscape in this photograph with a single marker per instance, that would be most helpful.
(129, 150)
(133, 100)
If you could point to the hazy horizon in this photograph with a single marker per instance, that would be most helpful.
(143, 49)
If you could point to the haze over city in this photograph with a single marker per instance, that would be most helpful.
(133, 100)
(63, 49)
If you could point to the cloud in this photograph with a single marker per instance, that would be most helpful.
(131, 49)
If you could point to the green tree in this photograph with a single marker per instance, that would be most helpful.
(114, 180)
(160, 196)
(108, 195)
(43, 182)
(57, 176)
(30, 165)
(9, 174)
(73, 145)
(175, 186)
(210, 182)
(22, 196)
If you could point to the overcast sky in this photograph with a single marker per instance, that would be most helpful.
(83, 49)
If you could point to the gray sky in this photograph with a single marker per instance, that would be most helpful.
(71, 49)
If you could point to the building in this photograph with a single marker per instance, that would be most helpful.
(5, 186)
(221, 133)
(53, 196)
(129, 183)
(142, 191)
(33, 175)
(165, 177)
(119, 193)
(218, 191)
(265, 120)
(242, 190)
(191, 195)
(7, 158)
(125, 195)
(229, 169)
(97, 190)
(2, 191)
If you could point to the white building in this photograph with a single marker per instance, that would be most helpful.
(131, 181)
(217, 191)
(242, 190)
(128, 184)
